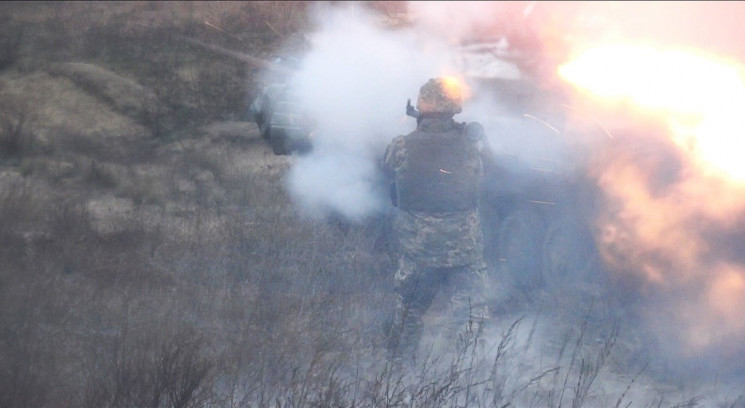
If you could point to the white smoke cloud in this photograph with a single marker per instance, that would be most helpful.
(455, 20)
(358, 74)
(355, 81)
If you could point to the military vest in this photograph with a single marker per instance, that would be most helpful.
(439, 173)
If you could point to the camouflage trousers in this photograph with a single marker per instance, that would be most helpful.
(417, 286)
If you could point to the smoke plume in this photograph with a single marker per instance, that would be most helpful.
(662, 226)
(668, 79)
(355, 81)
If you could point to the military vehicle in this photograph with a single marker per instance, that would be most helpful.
(537, 224)
(537, 215)
(537, 204)
(279, 116)
(281, 120)
(536, 212)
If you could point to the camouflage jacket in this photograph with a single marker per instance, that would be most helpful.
(441, 238)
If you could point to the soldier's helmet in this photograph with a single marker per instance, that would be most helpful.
(440, 95)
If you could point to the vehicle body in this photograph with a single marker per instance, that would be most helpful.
(281, 120)
(538, 225)
(537, 205)
(537, 216)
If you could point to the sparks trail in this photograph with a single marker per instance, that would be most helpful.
(548, 125)
(233, 36)
(597, 122)
(541, 202)
(258, 62)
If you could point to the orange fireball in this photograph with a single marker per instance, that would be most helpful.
(701, 97)
(455, 87)
(656, 228)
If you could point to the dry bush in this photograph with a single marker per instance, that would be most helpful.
(16, 136)
(191, 85)
(101, 175)
(147, 368)
(135, 42)
(273, 21)
(143, 189)
(292, 309)
(736, 403)
(122, 94)
(225, 300)
(26, 358)
(28, 304)
(245, 305)
(17, 213)
(11, 38)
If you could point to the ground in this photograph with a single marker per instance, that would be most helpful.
(152, 253)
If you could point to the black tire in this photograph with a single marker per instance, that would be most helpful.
(304, 147)
(264, 130)
(277, 142)
(570, 256)
(519, 243)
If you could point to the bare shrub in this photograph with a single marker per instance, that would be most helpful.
(11, 37)
(237, 302)
(738, 402)
(221, 90)
(25, 359)
(16, 137)
(149, 370)
(155, 113)
(101, 175)
(123, 94)
(275, 20)
(589, 370)
(197, 159)
(15, 212)
(143, 189)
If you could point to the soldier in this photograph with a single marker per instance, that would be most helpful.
(435, 172)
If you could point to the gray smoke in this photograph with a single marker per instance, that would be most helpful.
(694, 294)
(355, 81)
(360, 70)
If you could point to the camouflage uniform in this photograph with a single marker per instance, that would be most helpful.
(441, 239)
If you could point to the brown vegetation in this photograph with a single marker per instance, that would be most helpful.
(165, 266)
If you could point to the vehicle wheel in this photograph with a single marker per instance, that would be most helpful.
(264, 130)
(519, 243)
(277, 141)
(304, 147)
(569, 256)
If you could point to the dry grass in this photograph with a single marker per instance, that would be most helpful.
(16, 135)
(239, 306)
(210, 290)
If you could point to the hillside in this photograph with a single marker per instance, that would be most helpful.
(152, 255)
